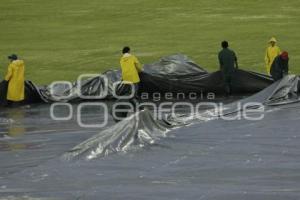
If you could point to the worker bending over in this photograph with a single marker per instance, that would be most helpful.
(15, 78)
(280, 66)
(130, 67)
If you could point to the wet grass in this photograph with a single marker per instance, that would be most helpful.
(60, 39)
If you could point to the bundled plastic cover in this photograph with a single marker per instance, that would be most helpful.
(32, 93)
(135, 131)
(174, 74)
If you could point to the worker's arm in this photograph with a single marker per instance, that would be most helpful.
(9, 73)
(138, 65)
(285, 69)
(267, 59)
(278, 51)
(236, 61)
(220, 61)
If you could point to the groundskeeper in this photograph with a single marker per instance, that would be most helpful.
(15, 79)
(280, 66)
(228, 65)
(271, 53)
(130, 67)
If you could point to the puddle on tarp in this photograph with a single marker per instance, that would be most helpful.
(29, 136)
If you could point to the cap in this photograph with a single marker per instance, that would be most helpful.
(273, 39)
(13, 57)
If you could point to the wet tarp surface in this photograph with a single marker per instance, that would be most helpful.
(175, 158)
(143, 129)
(189, 156)
(175, 74)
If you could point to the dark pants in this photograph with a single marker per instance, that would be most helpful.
(126, 90)
(227, 81)
(15, 103)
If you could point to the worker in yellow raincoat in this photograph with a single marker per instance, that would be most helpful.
(271, 53)
(128, 89)
(130, 67)
(15, 78)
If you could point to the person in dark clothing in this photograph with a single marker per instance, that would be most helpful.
(228, 65)
(280, 66)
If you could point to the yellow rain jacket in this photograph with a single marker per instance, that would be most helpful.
(130, 68)
(271, 54)
(15, 78)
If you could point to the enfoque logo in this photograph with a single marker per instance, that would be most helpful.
(127, 105)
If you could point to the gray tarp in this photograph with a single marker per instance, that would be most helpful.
(141, 129)
(175, 74)
(178, 157)
(211, 160)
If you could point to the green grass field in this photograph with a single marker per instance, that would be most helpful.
(60, 39)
